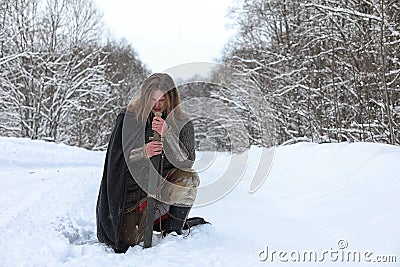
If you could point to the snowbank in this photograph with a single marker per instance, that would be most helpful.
(317, 198)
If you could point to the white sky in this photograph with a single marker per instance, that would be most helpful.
(170, 32)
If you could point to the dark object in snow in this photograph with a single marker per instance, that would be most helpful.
(194, 221)
(175, 223)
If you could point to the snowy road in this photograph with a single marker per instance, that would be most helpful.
(320, 198)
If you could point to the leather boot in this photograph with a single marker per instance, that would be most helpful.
(176, 219)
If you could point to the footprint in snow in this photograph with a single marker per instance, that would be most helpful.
(77, 231)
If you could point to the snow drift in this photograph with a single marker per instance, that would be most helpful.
(316, 201)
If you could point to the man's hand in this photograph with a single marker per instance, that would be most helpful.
(159, 125)
(153, 148)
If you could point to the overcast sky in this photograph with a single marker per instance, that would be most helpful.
(167, 33)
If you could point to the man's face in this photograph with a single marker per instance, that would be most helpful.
(159, 101)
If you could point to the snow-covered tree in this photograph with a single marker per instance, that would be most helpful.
(329, 69)
(55, 72)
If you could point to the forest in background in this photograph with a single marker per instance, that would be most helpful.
(63, 77)
(329, 70)
(321, 71)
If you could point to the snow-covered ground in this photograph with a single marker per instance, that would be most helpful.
(325, 202)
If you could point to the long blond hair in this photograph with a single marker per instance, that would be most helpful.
(142, 105)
